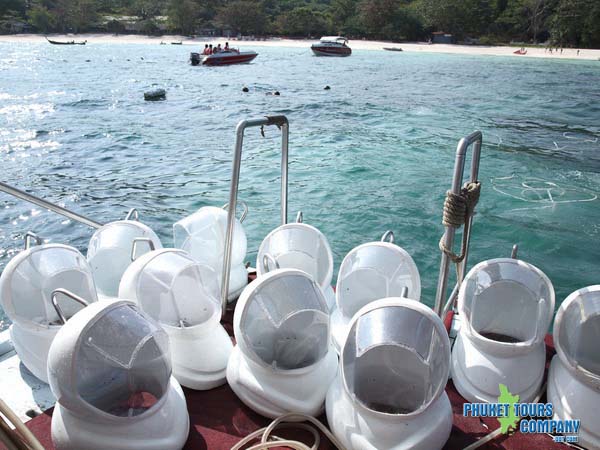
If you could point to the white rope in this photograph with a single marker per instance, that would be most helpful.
(290, 420)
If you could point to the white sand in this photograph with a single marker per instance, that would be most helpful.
(532, 52)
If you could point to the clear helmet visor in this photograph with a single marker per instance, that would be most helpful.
(30, 279)
(577, 332)
(373, 271)
(507, 300)
(173, 289)
(297, 246)
(121, 362)
(110, 252)
(203, 234)
(396, 358)
(284, 321)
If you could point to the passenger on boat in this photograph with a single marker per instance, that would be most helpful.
(226, 46)
(219, 49)
(206, 50)
(210, 50)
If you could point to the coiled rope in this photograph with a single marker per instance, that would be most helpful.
(458, 208)
(290, 420)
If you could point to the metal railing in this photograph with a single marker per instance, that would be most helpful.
(474, 139)
(47, 205)
(282, 123)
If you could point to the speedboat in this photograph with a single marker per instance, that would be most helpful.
(223, 58)
(331, 46)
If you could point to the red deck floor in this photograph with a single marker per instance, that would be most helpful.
(219, 419)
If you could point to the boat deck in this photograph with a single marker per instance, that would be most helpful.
(218, 419)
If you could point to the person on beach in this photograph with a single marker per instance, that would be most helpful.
(577, 52)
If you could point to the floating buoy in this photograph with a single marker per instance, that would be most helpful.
(156, 94)
(245, 89)
(327, 88)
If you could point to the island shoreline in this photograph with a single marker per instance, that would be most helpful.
(532, 52)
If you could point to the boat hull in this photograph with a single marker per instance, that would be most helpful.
(229, 59)
(331, 50)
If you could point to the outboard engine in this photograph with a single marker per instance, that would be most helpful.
(195, 58)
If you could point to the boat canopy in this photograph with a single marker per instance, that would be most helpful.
(337, 39)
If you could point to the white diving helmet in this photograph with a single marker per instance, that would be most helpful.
(113, 247)
(505, 306)
(574, 378)
(299, 246)
(30, 284)
(283, 361)
(183, 296)
(110, 370)
(389, 390)
(370, 272)
(202, 235)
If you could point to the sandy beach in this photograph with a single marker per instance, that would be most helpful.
(532, 52)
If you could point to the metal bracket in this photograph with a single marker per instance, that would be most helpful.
(69, 294)
(474, 139)
(515, 251)
(283, 124)
(244, 212)
(268, 258)
(149, 241)
(29, 236)
(388, 236)
(133, 215)
(299, 217)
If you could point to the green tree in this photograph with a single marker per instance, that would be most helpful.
(148, 9)
(243, 16)
(576, 23)
(304, 21)
(41, 18)
(182, 15)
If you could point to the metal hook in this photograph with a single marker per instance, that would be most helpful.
(29, 236)
(244, 213)
(299, 217)
(69, 294)
(132, 213)
(388, 236)
(149, 241)
(267, 258)
(515, 251)
(404, 293)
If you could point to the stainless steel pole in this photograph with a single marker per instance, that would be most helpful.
(47, 205)
(281, 122)
(449, 234)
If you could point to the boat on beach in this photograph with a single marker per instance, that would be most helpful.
(331, 46)
(223, 58)
(66, 43)
(393, 375)
(393, 49)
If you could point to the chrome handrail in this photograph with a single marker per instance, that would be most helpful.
(283, 124)
(475, 139)
(47, 205)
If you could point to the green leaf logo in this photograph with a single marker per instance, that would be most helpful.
(509, 422)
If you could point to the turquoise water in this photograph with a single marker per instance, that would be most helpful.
(373, 153)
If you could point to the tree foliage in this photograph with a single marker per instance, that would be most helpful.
(558, 22)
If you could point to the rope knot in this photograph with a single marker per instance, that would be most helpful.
(457, 210)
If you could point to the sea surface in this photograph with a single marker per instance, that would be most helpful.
(375, 152)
